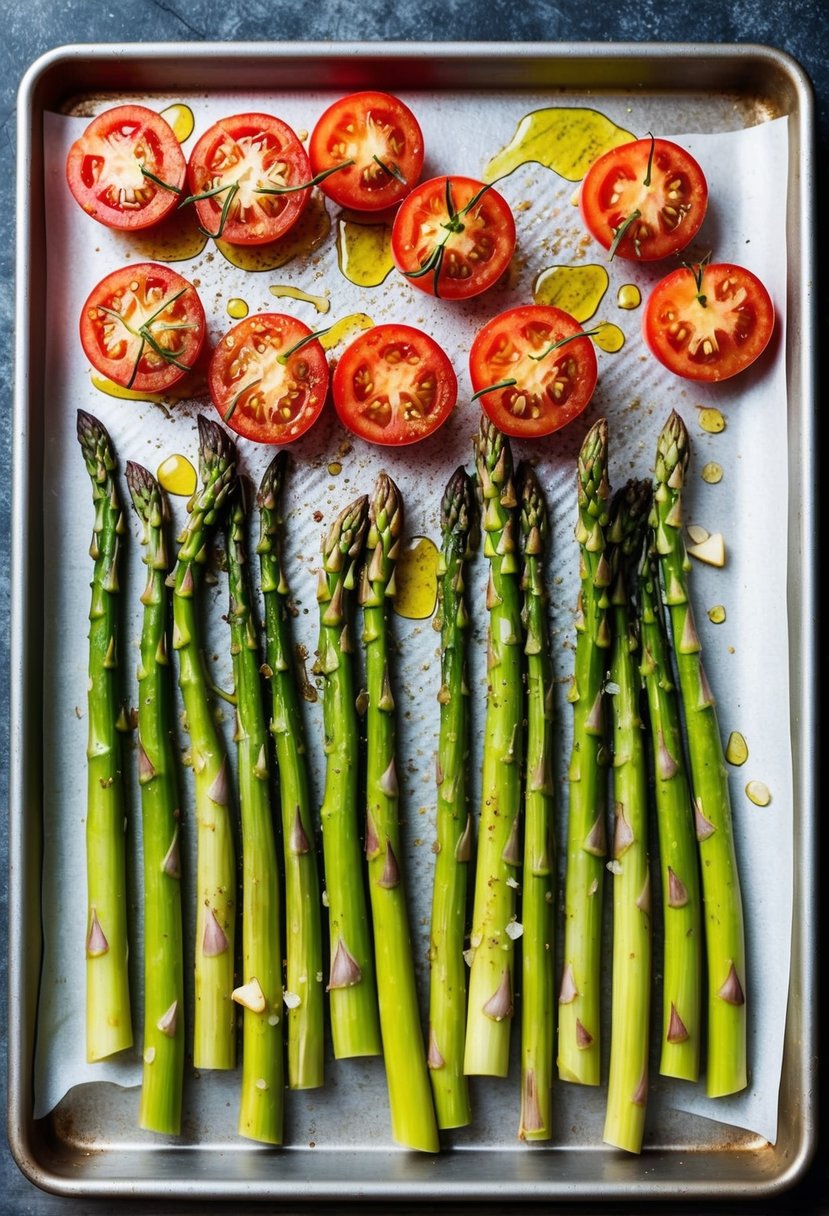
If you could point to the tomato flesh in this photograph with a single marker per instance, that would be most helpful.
(394, 385)
(143, 327)
(233, 167)
(550, 387)
(265, 386)
(453, 237)
(712, 330)
(109, 168)
(381, 136)
(656, 188)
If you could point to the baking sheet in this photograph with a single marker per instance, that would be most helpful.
(748, 173)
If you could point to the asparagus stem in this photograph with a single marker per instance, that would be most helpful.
(537, 902)
(161, 1090)
(304, 978)
(260, 993)
(578, 1023)
(491, 986)
(410, 1097)
(682, 962)
(214, 1038)
(629, 1037)
(355, 1024)
(724, 931)
(108, 1020)
(447, 994)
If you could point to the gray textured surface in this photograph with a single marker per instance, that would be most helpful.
(800, 27)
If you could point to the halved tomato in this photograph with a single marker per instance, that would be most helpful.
(453, 237)
(127, 169)
(143, 327)
(644, 200)
(394, 385)
(534, 370)
(249, 179)
(268, 378)
(708, 322)
(378, 140)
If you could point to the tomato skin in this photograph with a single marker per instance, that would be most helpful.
(244, 153)
(556, 388)
(138, 292)
(259, 396)
(474, 258)
(672, 206)
(737, 320)
(103, 168)
(397, 359)
(359, 127)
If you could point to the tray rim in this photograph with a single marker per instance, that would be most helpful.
(20, 1126)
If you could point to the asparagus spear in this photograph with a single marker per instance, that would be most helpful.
(260, 993)
(724, 931)
(491, 977)
(161, 1090)
(681, 967)
(578, 1023)
(304, 994)
(108, 1021)
(214, 1039)
(537, 984)
(355, 1025)
(447, 995)
(629, 1036)
(410, 1095)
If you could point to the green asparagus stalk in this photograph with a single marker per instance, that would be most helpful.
(260, 993)
(304, 979)
(578, 1022)
(679, 864)
(447, 994)
(161, 1090)
(410, 1096)
(108, 1020)
(537, 902)
(490, 1005)
(214, 1038)
(355, 1024)
(629, 1034)
(724, 930)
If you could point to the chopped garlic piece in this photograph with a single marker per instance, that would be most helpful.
(697, 533)
(710, 551)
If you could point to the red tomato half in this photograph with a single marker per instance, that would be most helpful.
(266, 382)
(653, 188)
(394, 385)
(143, 327)
(453, 237)
(536, 390)
(381, 136)
(234, 170)
(708, 322)
(115, 170)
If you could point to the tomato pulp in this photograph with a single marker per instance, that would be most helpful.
(127, 169)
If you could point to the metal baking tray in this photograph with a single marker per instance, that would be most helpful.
(89, 1145)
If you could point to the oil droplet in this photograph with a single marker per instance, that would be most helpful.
(711, 420)
(736, 749)
(577, 289)
(342, 328)
(609, 338)
(188, 387)
(335, 468)
(175, 239)
(758, 793)
(416, 579)
(566, 140)
(628, 296)
(364, 252)
(321, 303)
(177, 475)
(180, 118)
(237, 308)
(716, 614)
(712, 472)
(306, 235)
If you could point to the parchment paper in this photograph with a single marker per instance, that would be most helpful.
(746, 657)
